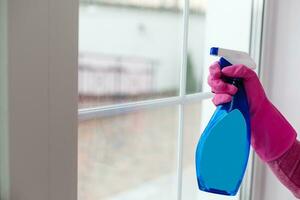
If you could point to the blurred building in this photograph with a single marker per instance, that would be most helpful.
(115, 77)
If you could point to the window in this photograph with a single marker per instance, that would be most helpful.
(142, 96)
(143, 100)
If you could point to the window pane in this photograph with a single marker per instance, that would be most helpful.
(196, 40)
(128, 157)
(196, 117)
(225, 24)
(128, 50)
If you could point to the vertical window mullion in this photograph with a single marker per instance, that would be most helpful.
(255, 48)
(182, 93)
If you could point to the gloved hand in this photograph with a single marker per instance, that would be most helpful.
(271, 134)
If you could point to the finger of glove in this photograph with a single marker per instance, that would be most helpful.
(221, 99)
(218, 86)
(215, 70)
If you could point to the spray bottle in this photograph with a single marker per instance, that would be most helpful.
(223, 149)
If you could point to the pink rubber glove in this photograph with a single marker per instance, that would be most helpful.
(271, 134)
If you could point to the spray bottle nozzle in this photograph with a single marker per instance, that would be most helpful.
(234, 57)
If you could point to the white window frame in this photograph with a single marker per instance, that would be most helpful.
(39, 160)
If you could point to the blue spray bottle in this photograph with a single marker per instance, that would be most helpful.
(223, 149)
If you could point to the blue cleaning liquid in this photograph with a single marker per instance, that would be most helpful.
(223, 150)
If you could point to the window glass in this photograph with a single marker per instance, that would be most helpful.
(131, 50)
(196, 46)
(128, 51)
(130, 156)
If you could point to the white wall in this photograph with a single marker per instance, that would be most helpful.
(281, 71)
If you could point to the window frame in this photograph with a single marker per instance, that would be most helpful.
(40, 51)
